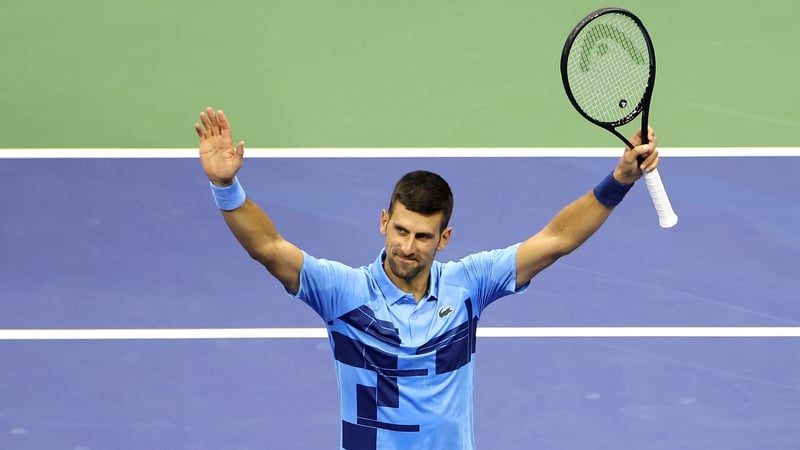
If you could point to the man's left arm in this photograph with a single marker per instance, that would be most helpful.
(574, 224)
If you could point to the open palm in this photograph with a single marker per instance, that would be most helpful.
(219, 158)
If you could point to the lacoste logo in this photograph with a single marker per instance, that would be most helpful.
(445, 311)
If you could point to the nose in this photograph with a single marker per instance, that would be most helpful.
(407, 246)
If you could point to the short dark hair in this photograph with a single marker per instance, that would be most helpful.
(424, 193)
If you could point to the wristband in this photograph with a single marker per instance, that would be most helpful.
(230, 197)
(610, 192)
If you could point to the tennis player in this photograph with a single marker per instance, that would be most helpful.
(402, 328)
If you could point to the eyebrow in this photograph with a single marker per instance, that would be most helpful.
(418, 234)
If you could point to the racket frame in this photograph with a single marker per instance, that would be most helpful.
(666, 216)
(643, 107)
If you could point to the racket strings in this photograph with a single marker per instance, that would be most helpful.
(608, 68)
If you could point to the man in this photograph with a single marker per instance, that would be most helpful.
(402, 329)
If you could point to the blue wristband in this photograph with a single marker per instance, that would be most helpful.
(610, 192)
(230, 197)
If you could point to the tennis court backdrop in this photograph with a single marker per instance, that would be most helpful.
(347, 74)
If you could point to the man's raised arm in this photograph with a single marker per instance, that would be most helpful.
(574, 224)
(254, 230)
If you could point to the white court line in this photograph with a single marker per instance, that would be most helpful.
(504, 152)
(315, 333)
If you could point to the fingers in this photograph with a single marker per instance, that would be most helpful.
(636, 138)
(651, 141)
(651, 135)
(207, 119)
(213, 124)
(651, 156)
(222, 122)
(640, 159)
(647, 156)
(239, 149)
(643, 156)
(650, 163)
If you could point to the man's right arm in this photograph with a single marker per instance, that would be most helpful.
(260, 238)
(221, 160)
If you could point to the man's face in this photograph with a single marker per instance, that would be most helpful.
(412, 240)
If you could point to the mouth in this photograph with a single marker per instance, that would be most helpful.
(406, 259)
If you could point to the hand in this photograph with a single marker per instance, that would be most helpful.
(219, 158)
(638, 160)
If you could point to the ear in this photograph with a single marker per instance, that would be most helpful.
(384, 221)
(445, 238)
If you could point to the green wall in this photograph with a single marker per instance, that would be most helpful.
(347, 73)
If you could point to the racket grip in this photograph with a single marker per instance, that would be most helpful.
(666, 216)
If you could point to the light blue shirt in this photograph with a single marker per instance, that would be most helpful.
(405, 369)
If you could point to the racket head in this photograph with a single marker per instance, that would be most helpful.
(608, 67)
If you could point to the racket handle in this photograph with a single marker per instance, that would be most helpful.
(666, 216)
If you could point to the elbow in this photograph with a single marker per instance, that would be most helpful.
(562, 241)
(559, 253)
(561, 246)
(266, 254)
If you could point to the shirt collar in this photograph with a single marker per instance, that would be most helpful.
(390, 291)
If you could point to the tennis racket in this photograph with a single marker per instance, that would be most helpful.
(608, 67)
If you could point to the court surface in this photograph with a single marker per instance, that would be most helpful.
(137, 245)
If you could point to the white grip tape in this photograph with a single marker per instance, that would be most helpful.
(666, 216)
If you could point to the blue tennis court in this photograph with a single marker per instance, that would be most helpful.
(137, 244)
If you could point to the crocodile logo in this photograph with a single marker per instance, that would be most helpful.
(445, 311)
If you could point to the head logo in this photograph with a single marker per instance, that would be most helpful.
(445, 311)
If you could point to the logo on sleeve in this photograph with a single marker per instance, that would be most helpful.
(445, 311)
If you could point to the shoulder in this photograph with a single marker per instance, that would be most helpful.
(488, 275)
(484, 259)
(330, 276)
(316, 265)
(332, 288)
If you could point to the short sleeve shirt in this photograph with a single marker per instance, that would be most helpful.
(405, 369)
